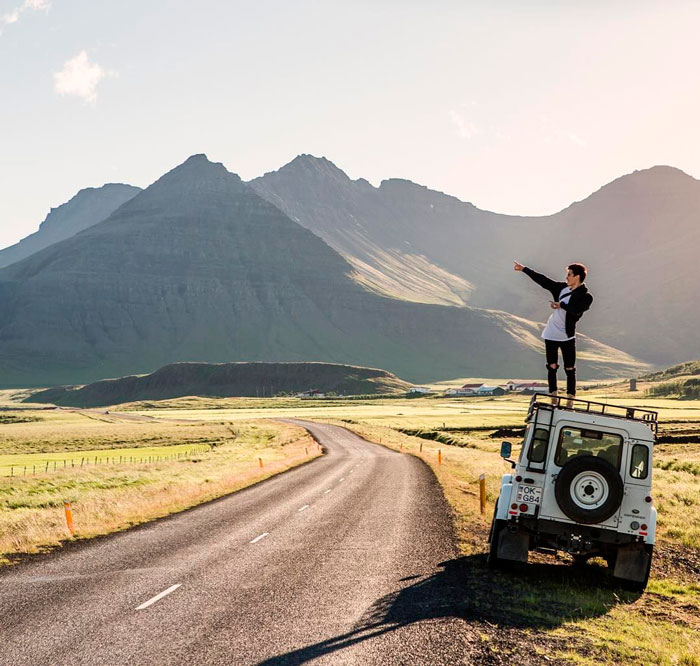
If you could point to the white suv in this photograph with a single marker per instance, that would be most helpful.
(582, 485)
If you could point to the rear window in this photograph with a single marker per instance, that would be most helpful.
(538, 446)
(582, 442)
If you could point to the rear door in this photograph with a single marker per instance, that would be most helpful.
(570, 439)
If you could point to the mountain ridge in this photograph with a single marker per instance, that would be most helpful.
(87, 207)
(199, 267)
(407, 241)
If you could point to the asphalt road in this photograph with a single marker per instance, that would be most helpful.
(335, 562)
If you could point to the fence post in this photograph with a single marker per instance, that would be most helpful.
(482, 492)
(12, 471)
(439, 456)
(421, 447)
(261, 462)
(69, 516)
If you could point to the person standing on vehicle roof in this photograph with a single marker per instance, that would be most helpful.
(571, 300)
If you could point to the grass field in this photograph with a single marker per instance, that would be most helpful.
(31, 464)
(107, 498)
(547, 607)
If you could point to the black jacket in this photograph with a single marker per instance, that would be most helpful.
(580, 301)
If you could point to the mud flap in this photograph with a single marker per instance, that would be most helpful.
(513, 546)
(632, 564)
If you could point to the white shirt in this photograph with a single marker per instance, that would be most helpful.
(556, 324)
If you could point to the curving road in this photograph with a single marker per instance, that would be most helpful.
(334, 562)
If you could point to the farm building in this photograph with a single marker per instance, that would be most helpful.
(527, 387)
(490, 390)
(422, 390)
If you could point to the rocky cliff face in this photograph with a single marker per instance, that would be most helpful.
(639, 236)
(85, 209)
(198, 267)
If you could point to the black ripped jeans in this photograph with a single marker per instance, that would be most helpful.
(568, 355)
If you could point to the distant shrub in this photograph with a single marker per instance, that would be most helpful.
(685, 388)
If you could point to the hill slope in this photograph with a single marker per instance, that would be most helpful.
(411, 242)
(227, 380)
(86, 208)
(198, 267)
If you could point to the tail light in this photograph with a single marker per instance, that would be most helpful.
(523, 508)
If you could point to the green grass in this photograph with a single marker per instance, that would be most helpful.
(108, 498)
(24, 464)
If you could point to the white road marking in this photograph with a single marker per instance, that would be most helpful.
(303, 508)
(343, 479)
(158, 597)
(262, 536)
(327, 491)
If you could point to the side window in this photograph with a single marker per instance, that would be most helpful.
(538, 446)
(639, 467)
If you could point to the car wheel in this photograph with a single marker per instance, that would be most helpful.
(588, 490)
(493, 561)
(611, 557)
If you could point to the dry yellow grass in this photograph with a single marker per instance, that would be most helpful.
(108, 499)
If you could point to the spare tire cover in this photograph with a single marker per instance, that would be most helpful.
(588, 489)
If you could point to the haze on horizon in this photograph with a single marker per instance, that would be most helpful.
(519, 108)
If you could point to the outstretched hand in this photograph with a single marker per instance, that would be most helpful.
(517, 266)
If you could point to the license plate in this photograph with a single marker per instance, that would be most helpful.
(530, 494)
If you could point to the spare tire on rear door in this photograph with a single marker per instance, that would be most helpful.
(588, 489)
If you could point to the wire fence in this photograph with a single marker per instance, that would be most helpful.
(49, 466)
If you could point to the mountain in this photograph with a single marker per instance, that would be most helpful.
(199, 267)
(86, 208)
(639, 236)
(226, 380)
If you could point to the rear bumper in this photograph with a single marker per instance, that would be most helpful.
(545, 531)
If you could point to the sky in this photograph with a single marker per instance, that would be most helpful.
(518, 106)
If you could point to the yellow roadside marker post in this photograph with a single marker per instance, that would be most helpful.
(482, 492)
(261, 462)
(421, 447)
(69, 516)
(439, 456)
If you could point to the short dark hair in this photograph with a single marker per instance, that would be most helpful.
(578, 269)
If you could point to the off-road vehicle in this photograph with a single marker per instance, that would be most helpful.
(582, 485)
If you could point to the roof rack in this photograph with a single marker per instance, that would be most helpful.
(544, 401)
